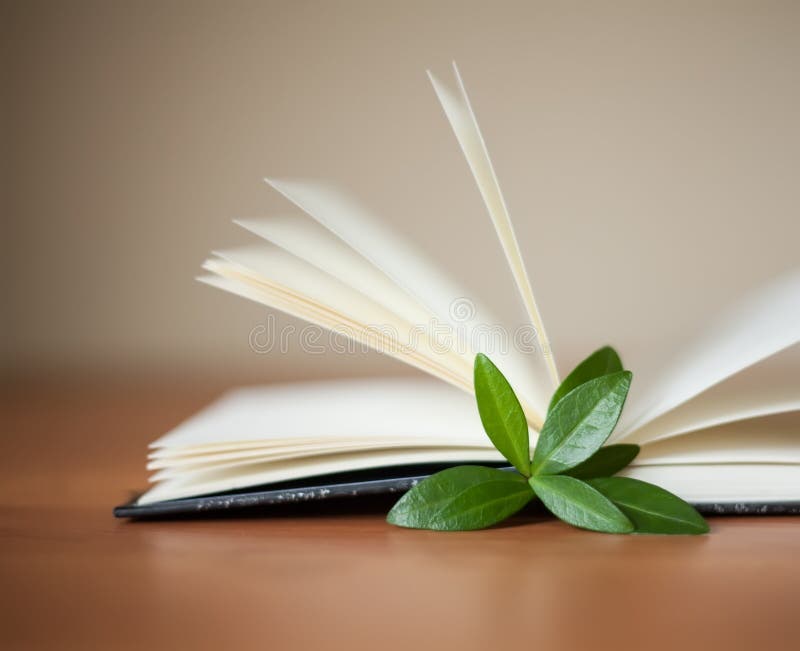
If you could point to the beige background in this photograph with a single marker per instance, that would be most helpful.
(649, 154)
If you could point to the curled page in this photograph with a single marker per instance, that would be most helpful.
(289, 298)
(319, 412)
(309, 240)
(462, 119)
(386, 250)
(772, 439)
(418, 276)
(274, 267)
(769, 387)
(762, 324)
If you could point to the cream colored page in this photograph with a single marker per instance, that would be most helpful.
(242, 281)
(739, 443)
(696, 483)
(278, 449)
(771, 386)
(189, 451)
(187, 456)
(487, 453)
(307, 282)
(725, 483)
(354, 410)
(305, 238)
(771, 439)
(419, 277)
(387, 251)
(762, 324)
(275, 278)
(763, 440)
(275, 266)
(271, 472)
(312, 243)
(462, 119)
(774, 439)
(309, 241)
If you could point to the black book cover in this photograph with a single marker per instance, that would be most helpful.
(381, 485)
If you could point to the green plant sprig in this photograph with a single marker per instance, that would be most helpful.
(571, 471)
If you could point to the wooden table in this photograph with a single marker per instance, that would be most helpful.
(75, 578)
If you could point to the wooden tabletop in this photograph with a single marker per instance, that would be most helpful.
(73, 577)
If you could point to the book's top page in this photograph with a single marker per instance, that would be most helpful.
(764, 322)
(369, 410)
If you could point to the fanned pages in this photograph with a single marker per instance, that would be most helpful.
(275, 278)
(416, 275)
(305, 238)
(763, 323)
(386, 250)
(718, 426)
(763, 389)
(462, 119)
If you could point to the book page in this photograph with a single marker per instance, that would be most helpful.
(278, 451)
(338, 410)
(764, 322)
(303, 291)
(724, 483)
(387, 251)
(771, 386)
(487, 453)
(771, 439)
(307, 239)
(233, 478)
(278, 279)
(761, 440)
(459, 113)
(421, 279)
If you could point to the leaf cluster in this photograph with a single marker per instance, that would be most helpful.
(571, 471)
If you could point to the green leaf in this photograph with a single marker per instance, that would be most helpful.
(501, 414)
(580, 423)
(608, 460)
(650, 508)
(579, 504)
(601, 362)
(461, 498)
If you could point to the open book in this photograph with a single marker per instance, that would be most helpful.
(718, 424)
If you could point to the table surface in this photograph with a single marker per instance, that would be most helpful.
(73, 577)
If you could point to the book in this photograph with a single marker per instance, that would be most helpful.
(717, 422)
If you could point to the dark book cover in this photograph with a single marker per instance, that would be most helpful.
(374, 486)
